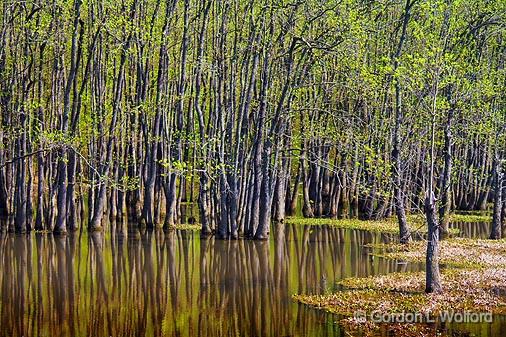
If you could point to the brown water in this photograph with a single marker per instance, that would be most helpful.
(131, 283)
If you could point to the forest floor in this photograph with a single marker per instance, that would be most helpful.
(473, 278)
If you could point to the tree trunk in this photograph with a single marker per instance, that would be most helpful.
(404, 232)
(432, 276)
(495, 233)
(444, 209)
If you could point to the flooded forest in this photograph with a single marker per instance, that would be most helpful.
(251, 167)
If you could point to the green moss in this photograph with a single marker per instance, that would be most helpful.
(467, 217)
(384, 226)
(471, 218)
(481, 217)
(188, 227)
(388, 225)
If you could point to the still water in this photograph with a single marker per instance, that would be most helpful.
(132, 283)
(475, 230)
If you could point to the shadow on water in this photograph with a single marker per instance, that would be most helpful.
(129, 283)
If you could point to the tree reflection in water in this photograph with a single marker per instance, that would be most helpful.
(129, 283)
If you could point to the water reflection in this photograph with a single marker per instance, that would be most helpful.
(175, 284)
(475, 230)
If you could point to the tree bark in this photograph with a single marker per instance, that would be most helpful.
(496, 229)
(404, 232)
(432, 276)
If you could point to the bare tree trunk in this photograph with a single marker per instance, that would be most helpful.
(152, 145)
(61, 220)
(432, 276)
(204, 180)
(39, 217)
(307, 209)
(444, 208)
(101, 195)
(280, 191)
(404, 232)
(292, 206)
(20, 191)
(498, 187)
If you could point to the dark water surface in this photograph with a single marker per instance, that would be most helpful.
(133, 283)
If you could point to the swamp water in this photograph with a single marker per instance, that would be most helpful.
(132, 283)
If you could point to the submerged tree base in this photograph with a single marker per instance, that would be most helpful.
(475, 282)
